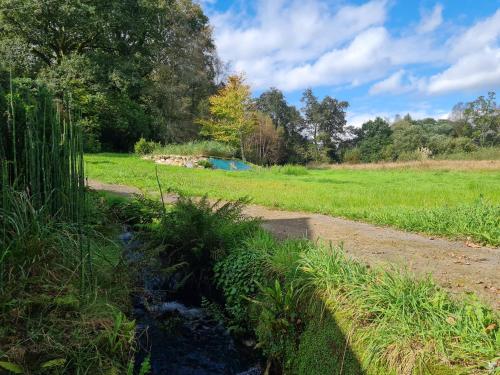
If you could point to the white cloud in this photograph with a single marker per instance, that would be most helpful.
(430, 21)
(482, 34)
(477, 70)
(473, 63)
(392, 84)
(288, 39)
(297, 44)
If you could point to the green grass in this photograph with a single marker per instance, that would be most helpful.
(484, 153)
(397, 320)
(197, 148)
(430, 201)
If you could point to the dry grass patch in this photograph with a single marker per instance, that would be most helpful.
(453, 165)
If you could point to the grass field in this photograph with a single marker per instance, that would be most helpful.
(452, 203)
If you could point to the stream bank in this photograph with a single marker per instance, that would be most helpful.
(178, 338)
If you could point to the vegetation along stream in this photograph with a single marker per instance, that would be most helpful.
(174, 335)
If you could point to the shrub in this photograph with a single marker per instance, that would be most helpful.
(143, 147)
(199, 233)
(352, 156)
(421, 154)
(205, 164)
(393, 313)
(278, 324)
(238, 275)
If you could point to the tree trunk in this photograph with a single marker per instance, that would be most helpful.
(241, 148)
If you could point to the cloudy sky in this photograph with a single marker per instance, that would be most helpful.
(383, 56)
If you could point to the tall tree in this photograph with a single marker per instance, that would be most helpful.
(287, 120)
(312, 116)
(325, 122)
(332, 123)
(484, 116)
(374, 136)
(117, 59)
(232, 114)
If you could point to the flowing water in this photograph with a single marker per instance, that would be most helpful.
(181, 339)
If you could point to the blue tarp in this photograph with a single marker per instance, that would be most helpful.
(229, 165)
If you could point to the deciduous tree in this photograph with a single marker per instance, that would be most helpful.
(232, 115)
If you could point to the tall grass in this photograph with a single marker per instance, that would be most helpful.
(484, 153)
(61, 281)
(41, 163)
(197, 148)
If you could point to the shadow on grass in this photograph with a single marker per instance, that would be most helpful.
(325, 348)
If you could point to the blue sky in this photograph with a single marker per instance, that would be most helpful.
(385, 57)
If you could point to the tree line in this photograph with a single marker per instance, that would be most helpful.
(149, 69)
(132, 68)
(270, 131)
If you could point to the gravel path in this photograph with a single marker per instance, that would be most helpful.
(457, 266)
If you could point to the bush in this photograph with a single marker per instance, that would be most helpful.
(197, 234)
(238, 275)
(421, 154)
(143, 147)
(205, 164)
(352, 156)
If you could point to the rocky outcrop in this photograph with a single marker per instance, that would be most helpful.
(187, 161)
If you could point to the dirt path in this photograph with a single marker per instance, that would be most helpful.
(454, 265)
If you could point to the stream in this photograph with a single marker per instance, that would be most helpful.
(178, 338)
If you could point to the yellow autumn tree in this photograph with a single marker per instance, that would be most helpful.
(231, 113)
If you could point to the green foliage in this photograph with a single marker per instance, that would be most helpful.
(324, 349)
(205, 164)
(394, 313)
(352, 156)
(140, 211)
(41, 149)
(288, 121)
(484, 119)
(143, 84)
(198, 148)
(145, 366)
(58, 276)
(290, 170)
(373, 138)
(143, 147)
(484, 153)
(325, 121)
(231, 113)
(479, 220)
(238, 275)
(278, 323)
(199, 233)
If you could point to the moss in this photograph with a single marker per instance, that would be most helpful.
(323, 350)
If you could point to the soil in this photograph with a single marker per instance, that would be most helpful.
(460, 267)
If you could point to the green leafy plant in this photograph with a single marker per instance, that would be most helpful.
(205, 164)
(279, 323)
(143, 147)
(238, 275)
(199, 233)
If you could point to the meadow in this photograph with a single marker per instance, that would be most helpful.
(449, 202)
